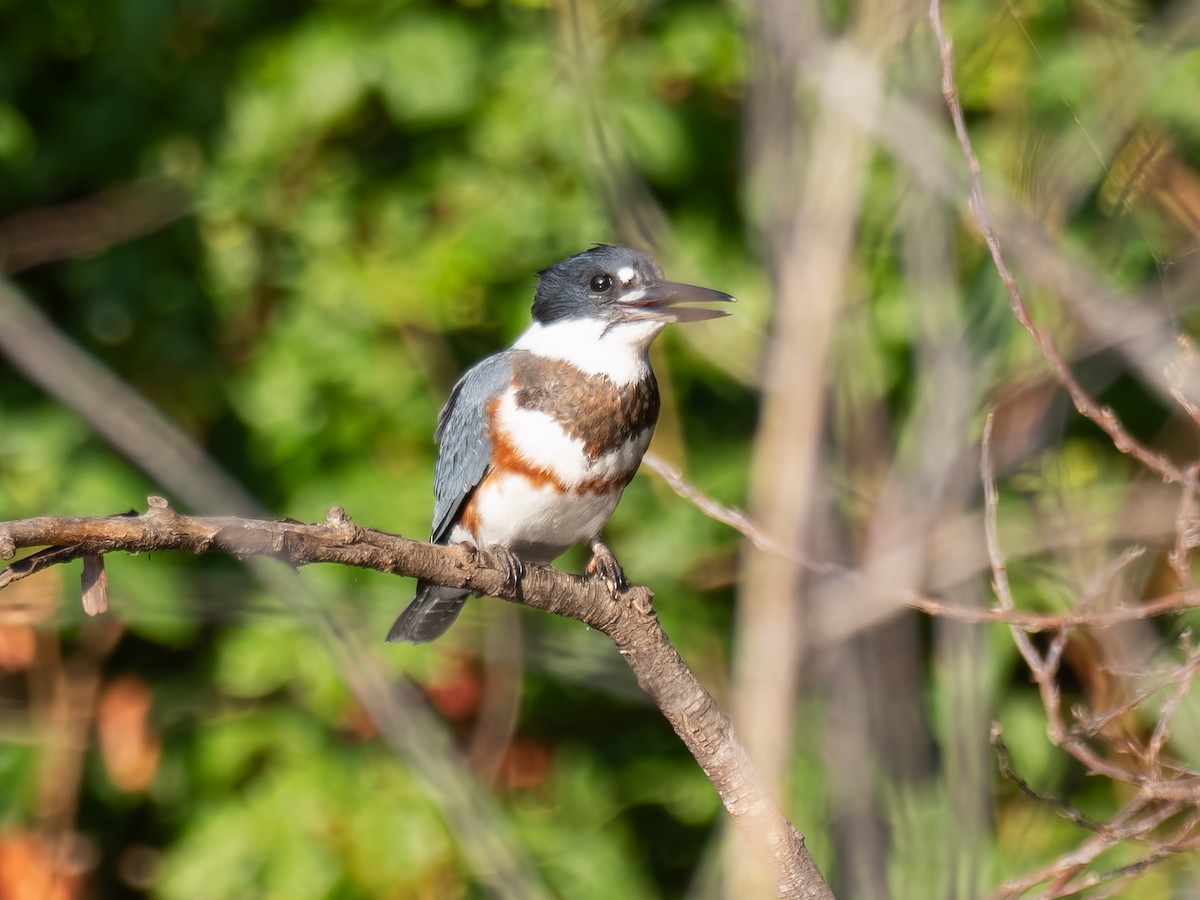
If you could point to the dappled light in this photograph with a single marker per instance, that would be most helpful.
(910, 556)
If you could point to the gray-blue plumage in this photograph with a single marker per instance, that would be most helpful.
(465, 452)
(462, 436)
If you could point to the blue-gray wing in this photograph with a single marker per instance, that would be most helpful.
(465, 450)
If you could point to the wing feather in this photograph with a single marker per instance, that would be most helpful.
(465, 449)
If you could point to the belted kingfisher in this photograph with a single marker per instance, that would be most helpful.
(537, 443)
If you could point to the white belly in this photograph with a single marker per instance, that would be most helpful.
(536, 523)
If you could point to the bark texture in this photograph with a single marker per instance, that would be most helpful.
(629, 621)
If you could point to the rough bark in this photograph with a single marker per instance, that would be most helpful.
(629, 621)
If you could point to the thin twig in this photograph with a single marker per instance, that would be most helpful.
(1102, 416)
(1093, 724)
(1187, 532)
(1032, 622)
(1157, 799)
(1064, 809)
(735, 518)
(1128, 824)
(995, 555)
(1044, 668)
(1039, 622)
(1158, 739)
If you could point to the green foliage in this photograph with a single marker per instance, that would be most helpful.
(370, 187)
(280, 810)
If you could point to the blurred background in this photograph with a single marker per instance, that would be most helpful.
(249, 248)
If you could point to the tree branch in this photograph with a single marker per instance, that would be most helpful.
(1102, 416)
(629, 621)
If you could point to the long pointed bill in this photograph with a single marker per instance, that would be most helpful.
(660, 303)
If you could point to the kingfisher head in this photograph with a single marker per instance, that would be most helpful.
(618, 286)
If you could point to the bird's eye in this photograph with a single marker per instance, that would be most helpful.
(601, 283)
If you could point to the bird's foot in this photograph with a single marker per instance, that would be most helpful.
(604, 564)
(508, 563)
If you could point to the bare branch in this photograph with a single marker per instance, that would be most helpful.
(1087, 406)
(90, 226)
(1037, 622)
(1045, 668)
(1064, 809)
(736, 519)
(1033, 622)
(630, 622)
(1164, 788)
(1185, 675)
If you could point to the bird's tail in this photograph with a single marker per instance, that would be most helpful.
(430, 613)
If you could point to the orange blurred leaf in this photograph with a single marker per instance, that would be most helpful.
(18, 647)
(456, 691)
(128, 744)
(28, 871)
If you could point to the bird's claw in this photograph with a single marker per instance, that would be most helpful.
(508, 563)
(604, 564)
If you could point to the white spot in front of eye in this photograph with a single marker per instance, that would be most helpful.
(626, 274)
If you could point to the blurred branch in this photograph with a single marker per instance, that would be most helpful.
(1087, 406)
(503, 683)
(852, 80)
(1040, 622)
(1032, 622)
(1163, 789)
(1131, 823)
(1159, 797)
(1066, 810)
(145, 437)
(630, 622)
(91, 226)
(65, 709)
(807, 165)
(1044, 666)
(39, 350)
(735, 518)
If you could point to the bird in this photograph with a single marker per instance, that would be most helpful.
(537, 442)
